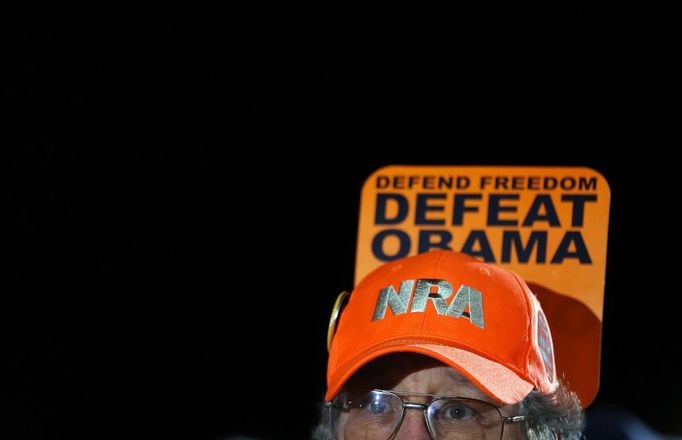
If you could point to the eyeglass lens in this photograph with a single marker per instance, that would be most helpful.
(376, 415)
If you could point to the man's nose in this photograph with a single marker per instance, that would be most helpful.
(413, 427)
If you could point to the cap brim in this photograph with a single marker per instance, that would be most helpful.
(494, 379)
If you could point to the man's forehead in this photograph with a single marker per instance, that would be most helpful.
(455, 375)
(399, 362)
(390, 370)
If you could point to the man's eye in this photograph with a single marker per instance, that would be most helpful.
(377, 407)
(458, 412)
(376, 404)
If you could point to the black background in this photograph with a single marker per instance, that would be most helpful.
(183, 186)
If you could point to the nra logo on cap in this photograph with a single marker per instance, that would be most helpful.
(436, 291)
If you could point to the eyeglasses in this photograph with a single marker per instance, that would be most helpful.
(378, 414)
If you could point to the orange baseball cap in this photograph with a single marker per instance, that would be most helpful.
(477, 318)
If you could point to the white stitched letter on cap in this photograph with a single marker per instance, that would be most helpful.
(468, 296)
(422, 293)
(396, 301)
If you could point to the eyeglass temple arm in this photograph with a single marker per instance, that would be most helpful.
(514, 419)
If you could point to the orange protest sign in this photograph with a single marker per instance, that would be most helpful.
(548, 224)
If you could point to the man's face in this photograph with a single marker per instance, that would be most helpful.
(411, 373)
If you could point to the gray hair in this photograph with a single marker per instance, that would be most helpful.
(548, 416)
